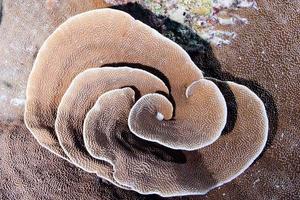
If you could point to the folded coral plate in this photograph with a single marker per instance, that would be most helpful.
(115, 98)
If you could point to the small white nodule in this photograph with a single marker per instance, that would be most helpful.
(159, 116)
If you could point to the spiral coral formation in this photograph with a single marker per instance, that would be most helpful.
(114, 97)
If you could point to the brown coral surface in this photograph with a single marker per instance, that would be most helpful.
(265, 53)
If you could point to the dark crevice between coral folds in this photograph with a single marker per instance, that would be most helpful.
(230, 104)
(135, 145)
(153, 71)
(137, 93)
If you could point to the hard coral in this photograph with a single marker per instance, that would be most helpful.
(114, 97)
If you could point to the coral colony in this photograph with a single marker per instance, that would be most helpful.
(107, 94)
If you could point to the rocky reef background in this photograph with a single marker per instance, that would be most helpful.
(264, 57)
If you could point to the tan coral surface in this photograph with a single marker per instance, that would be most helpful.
(185, 113)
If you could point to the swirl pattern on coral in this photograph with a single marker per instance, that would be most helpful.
(114, 97)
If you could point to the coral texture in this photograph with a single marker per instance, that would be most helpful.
(114, 97)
